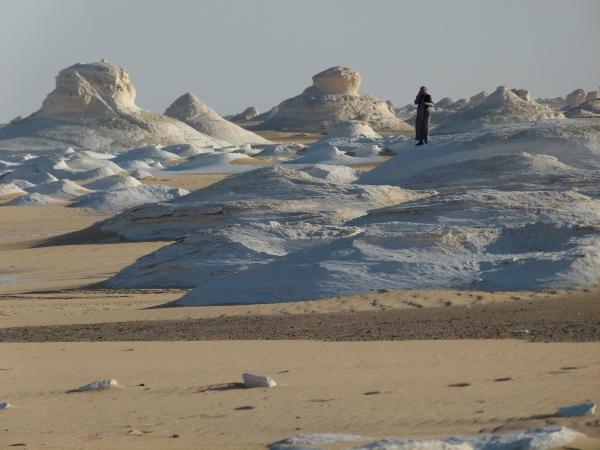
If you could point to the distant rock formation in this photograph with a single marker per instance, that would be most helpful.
(478, 99)
(93, 107)
(522, 93)
(589, 109)
(248, 114)
(191, 110)
(592, 95)
(575, 98)
(333, 97)
(501, 107)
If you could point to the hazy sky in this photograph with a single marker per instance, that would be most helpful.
(236, 53)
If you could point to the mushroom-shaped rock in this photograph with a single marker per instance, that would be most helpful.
(575, 98)
(89, 90)
(333, 97)
(191, 110)
(93, 107)
(338, 80)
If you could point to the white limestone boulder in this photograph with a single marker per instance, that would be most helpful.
(191, 110)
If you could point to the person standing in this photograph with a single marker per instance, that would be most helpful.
(424, 105)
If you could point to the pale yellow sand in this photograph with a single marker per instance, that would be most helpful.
(182, 388)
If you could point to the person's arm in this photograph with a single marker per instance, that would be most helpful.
(417, 99)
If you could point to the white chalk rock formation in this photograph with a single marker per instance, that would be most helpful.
(114, 182)
(523, 94)
(501, 107)
(257, 381)
(98, 385)
(351, 129)
(93, 107)
(338, 80)
(248, 114)
(191, 110)
(64, 189)
(581, 409)
(333, 97)
(113, 201)
(477, 99)
(35, 199)
(10, 189)
(589, 109)
(575, 98)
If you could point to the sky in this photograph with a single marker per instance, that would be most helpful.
(237, 53)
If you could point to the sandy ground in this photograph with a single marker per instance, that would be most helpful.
(375, 389)
(190, 182)
(394, 389)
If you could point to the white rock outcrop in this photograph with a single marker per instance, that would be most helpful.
(191, 110)
(257, 381)
(338, 80)
(575, 98)
(589, 109)
(333, 97)
(248, 114)
(93, 107)
(503, 106)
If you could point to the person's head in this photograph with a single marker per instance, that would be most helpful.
(423, 90)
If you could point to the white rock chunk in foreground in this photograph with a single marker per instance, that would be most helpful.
(539, 439)
(97, 385)
(581, 409)
(257, 381)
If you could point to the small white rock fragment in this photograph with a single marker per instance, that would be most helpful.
(4, 405)
(581, 409)
(253, 381)
(97, 385)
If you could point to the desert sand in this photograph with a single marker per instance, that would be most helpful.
(187, 394)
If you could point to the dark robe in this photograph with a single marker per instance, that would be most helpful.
(423, 113)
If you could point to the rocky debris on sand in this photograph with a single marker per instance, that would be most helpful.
(257, 381)
(333, 97)
(191, 110)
